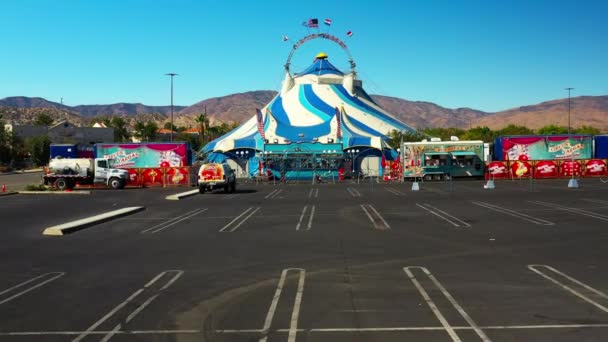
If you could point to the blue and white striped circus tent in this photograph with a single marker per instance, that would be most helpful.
(319, 110)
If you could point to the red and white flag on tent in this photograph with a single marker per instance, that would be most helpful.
(260, 119)
(349, 33)
(339, 122)
(327, 22)
(311, 23)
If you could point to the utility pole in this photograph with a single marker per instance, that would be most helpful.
(172, 75)
(569, 89)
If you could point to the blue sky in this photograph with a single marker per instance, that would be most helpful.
(487, 55)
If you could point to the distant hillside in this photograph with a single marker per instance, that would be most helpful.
(88, 110)
(124, 109)
(235, 107)
(585, 110)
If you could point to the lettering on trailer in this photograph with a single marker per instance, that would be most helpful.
(566, 148)
(121, 158)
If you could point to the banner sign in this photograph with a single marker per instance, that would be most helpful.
(145, 155)
(547, 148)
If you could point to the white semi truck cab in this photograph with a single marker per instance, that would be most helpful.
(65, 173)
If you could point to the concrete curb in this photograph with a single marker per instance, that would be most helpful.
(8, 193)
(74, 226)
(181, 195)
(77, 192)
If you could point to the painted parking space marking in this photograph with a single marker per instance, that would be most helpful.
(593, 200)
(28, 286)
(273, 194)
(394, 192)
(293, 323)
(572, 210)
(456, 222)
(313, 193)
(173, 274)
(312, 214)
(446, 325)
(353, 192)
(550, 276)
(171, 222)
(231, 196)
(374, 216)
(239, 220)
(514, 213)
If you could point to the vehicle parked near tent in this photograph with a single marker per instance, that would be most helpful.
(66, 173)
(443, 159)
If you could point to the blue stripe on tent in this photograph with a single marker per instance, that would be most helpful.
(216, 158)
(319, 107)
(276, 107)
(355, 102)
(363, 127)
(321, 67)
(293, 132)
(359, 141)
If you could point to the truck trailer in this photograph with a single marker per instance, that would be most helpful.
(66, 173)
(146, 155)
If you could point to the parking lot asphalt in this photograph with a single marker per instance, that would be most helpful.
(526, 261)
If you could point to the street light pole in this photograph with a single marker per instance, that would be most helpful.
(569, 89)
(172, 75)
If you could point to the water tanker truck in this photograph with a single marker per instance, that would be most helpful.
(65, 173)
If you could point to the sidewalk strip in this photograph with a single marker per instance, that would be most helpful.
(73, 226)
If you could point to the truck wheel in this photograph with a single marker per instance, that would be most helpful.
(227, 188)
(116, 183)
(61, 184)
(232, 187)
(201, 189)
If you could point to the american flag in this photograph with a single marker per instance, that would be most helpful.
(327, 22)
(339, 130)
(260, 123)
(314, 23)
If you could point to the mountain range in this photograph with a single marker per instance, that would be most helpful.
(585, 110)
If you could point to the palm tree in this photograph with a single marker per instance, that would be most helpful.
(203, 122)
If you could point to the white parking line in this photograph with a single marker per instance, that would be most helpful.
(514, 213)
(452, 301)
(275, 301)
(313, 193)
(249, 212)
(536, 269)
(374, 216)
(295, 314)
(593, 200)
(55, 276)
(456, 222)
(432, 305)
(299, 330)
(572, 210)
(312, 214)
(353, 192)
(109, 334)
(168, 221)
(172, 222)
(231, 196)
(395, 192)
(273, 193)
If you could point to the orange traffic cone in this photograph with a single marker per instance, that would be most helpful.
(3, 187)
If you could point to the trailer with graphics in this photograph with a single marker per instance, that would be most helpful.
(443, 159)
(549, 156)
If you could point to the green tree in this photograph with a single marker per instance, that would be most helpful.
(5, 143)
(146, 131)
(38, 148)
(552, 129)
(119, 125)
(515, 130)
(587, 130)
(43, 119)
(395, 137)
(480, 133)
(170, 126)
(203, 122)
(195, 143)
(444, 133)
